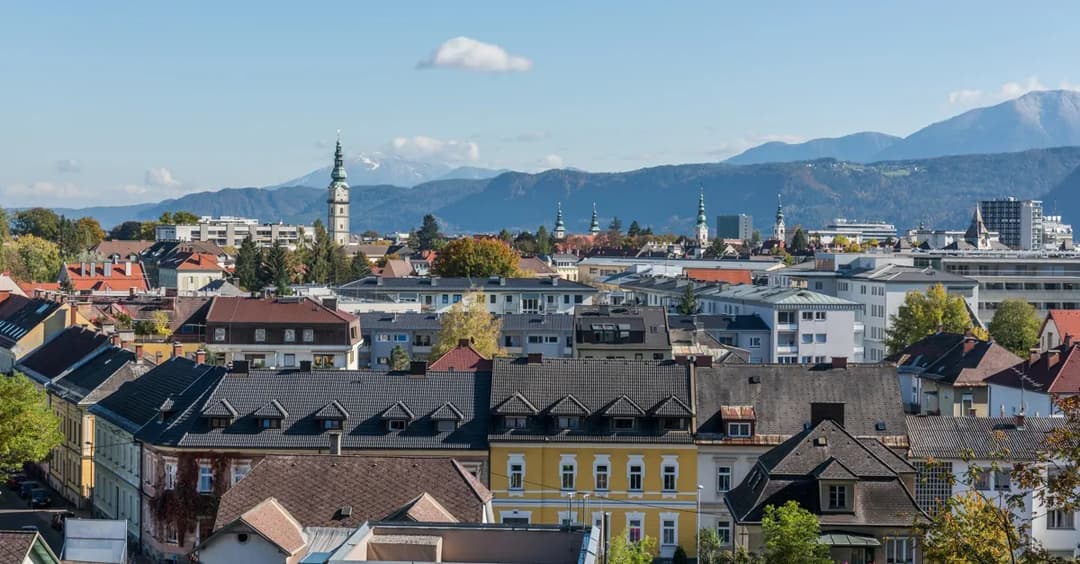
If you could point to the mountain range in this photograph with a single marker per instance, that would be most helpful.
(378, 168)
(1033, 121)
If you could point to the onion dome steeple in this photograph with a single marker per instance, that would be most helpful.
(594, 227)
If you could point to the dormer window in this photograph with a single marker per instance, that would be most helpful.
(445, 426)
(675, 424)
(738, 421)
(329, 424)
(395, 424)
(270, 423)
(739, 429)
(623, 423)
(839, 497)
(514, 422)
(219, 422)
(569, 422)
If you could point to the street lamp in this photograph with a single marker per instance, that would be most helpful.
(585, 509)
(697, 532)
(569, 509)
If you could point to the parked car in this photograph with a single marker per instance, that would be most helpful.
(27, 486)
(16, 480)
(40, 497)
(29, 528)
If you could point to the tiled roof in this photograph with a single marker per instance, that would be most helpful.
(781, 397)
(635, 326)
(271, 410)
(21, 321)
(63, 351)
(11, 303)
(123, 248)
(191, 261)
(274, 523)
(364, 395)
(332, 410)
(924, 352)
(790, 472)
(557, 322)
(99, 376)
(601, 386)
(16, 546)
(536, 266)
(403, 321)
(222, 287)
(729, 276)
(135, 403)
(397, 268)
(398, 411)
(448, 412)
(225, 309)
(1067, 322)
(370, 284)
(107, 276)
(461, 358)
(423, 509)
(719, 322)
(372, 487)
(970, 362)
(220, 408)
(980, 438)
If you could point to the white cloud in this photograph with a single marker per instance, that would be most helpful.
(1007, 91)
(551, 161)
(422, 147)
(464, 53)
(161, 177)
(68, 165)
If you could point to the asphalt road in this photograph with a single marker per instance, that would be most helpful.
(15, 512)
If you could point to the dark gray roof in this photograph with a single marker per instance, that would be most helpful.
(81, 383)
(399, 321)
(137, 402)
(66, 349)
(371, 284)
(982, 438)
(220, 408)
(791, 470)
(633, 327)
(719, 322)
(19, 323)
(332, 410)
(782, 395)
(537, 322)
(303, 397)
(603, 388)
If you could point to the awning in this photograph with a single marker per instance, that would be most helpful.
(846, 539)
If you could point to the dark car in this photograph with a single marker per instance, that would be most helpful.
(27, 486)
(40, 497)
(16, 480)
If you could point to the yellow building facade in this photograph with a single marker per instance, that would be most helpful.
(71, 465)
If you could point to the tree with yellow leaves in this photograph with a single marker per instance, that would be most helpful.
(469, 319)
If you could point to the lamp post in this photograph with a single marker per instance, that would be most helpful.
(585, 509)
(570, 509)
(697, 531)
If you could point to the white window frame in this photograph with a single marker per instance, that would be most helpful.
(601, 461)
(240, 468)
(511, 461)
(754, 343)
(669, 468)
(631, 517)
(732, 426)
(209, 476)
(1058, 520)
(569, 422)
(170, 474)
(290, 335)
(635, 460)
(515, 514)
(723, 476)
(260, 335)
(673, 519)
(847, 495)
(723, 531)
(172, 534)
(515, 422)
(568, 460)
(219, 334)
(309, 335)
(900, 550)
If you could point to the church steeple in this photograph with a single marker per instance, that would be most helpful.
(560, 230)
(701, 230)
(338, 199)
(594, 228)
(778, 230)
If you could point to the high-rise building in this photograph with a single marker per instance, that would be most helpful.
(1019, 223)
(338, 200)
(738, 226)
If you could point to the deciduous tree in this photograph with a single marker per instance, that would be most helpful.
(791, 535)
(126, 231)
(968, 528)
(924, 314)
(469, 319)
(39, 222)
(477, 258)
(32, 258)
(29, 430)
(1016, 325)
(622, 551)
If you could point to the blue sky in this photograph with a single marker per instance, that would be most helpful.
(120, 102)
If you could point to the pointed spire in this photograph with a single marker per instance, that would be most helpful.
(560, 228)
(701, 209)
(594, 228)
(779, 208)
(338, 173)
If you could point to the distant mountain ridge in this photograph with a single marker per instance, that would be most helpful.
(939, 192)
(377, 168)
(1036, 120)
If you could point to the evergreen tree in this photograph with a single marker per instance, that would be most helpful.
(543, 241)
(688, 302)
(399, 359)
(318, 259)
(247, 265)
(506, 236)
(634, 230)
(340, 266)
(276, 269)
(799, 241)
(615, 226)
(428, 236)
(360, 266)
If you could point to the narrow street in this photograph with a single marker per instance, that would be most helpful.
(15, 513)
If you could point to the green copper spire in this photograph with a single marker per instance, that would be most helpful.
(779, 209)
(701, 209)
(338, 174)
(560, 228)
(594, 228)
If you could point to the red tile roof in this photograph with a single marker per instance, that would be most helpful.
(731, 276)
(462, 358)
(29, 287)
(193, 261)
(274, 523)
(95, 278)
(226, 309)
(1067, 322)
(124, 248)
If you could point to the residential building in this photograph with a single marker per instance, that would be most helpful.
(1034, 386)
(162, 251)
(27, 323)
(120, 248)
(205, 440)
(502, 295)
(616, 431)
(1059, 324)
(551, 335)
(745, 332)
(1019, 222)
(995, 444)
(1043, 279)
(110, 278)
(229, 231)
(26, 547)
(861, 492)
(337, 220)
(805, 327)
(739, 227)
(744, 411)
(1057, 235)
(597, 268)
(566, 265)
(281, 332)
(462, 358)
(120, 465)
(855, 231)
(188, 273)
(621, 332)
(953, 382)
(662, 291)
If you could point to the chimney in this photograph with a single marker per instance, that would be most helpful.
(107, 268)
(1019, 420)
(462, 343)
(820, 411)
(434, 280)
(239, 367)
(157, 358)
(115, 339)
(335, 443)
(73, 312)
(93, 269)
(200, 356)
(502, 280)
(839, 362)
(535, 358)
(305, 366)
(177, 350)
(418, 368)
(1068, 341)
(554, 280)
(138, 351)
(82, 269)
(127, 268)
(969, 345)
(1033, 356)
(329, 302)
(1052, 356)
(703, 361)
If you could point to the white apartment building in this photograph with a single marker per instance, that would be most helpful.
(117, 457)
(502, 295)
(856, 231)
(1057, 236)
(229, 231)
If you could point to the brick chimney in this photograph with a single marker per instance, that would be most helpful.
(73, 313)
(462, 343)
(200, 356)
(115, 339)
(177, 350)
(418, 368)
(839, 362)
(1068, 342)
(535, 358)
(1033, 356)
(969, 345)
(138, 351)
(1019, 420)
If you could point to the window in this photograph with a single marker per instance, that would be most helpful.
(568, 473)
(551, 299)
(290, 335)
(674, 423)
(633, 529)
(492, 300)
(171, 535)
(820, 337)
(509, 299)
(667, 531)
(819, 315)
(322, 361)
(514, 422)
(566, 299)
(396, 424)
(428, 299)
(670, 473)
(808, 316)
(862, 289)
(170, 474)
(219, 422)
(635, 477)
(1002, 480)
(982, 479)
(551, 340)
(535, 339)
(723, 479)
(623, 423)
(1058, 519)
(270, 423)
(206, 478)
(785, 317)
(723, 532)
(445, 298)
(754, 343)
(578, 299)
(805, 360)
(219, 334)
(807, 338)
(601, 477)
(260, 335)
(567, 422)
(331, 424)
(900, 550)
(517, 476)
(421, 340)
(290, 360)
(239, 470)
(382, 360)
(401, 338)
(382, 338)
(838, 497)
(739, 429)
(309, 335)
